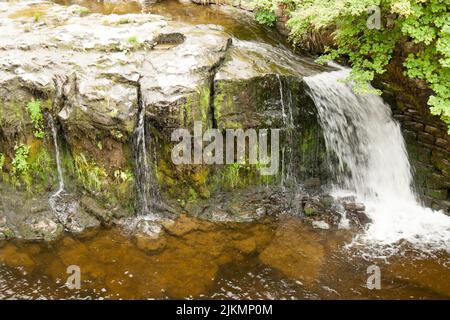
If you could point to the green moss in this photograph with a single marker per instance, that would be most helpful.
(232, 175)
(437, 194)
(117, 135)
(309, 211)
(134, 43)
(110, 189)
(192, 195)
(9, 234)
(196, 108)
(224, 104)
(12, 116)
(42, 170)
(88, 174)
(133, 40)
(124, 21)
(239, 175)
(311, 151)
(83, 11)
(2, 161)
(218, 101)
(236, 102)
(205, 95)
(37, 16)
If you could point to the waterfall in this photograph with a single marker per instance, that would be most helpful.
(283, 109)
(145, 186)
(57, 156)
(290, 122)
(283, 115)
(56, 202)
(290, 150)
(371, 163)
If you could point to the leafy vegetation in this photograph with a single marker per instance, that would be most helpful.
(20, 162)
(266, 17)
(124, 21)
(37, 16)
(425, 23)
(309, 211)
(121, 176)
(89, 174)
(2, 161)
(42, 168)
(83, 11)
(134, 42)
(35, 111)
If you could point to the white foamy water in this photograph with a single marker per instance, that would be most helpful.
(371, 161)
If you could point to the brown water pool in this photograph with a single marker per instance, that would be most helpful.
(276, 259)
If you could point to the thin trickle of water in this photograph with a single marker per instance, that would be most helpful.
(289, 163)
(146, 190)
(283, 151)
(141, 163)
(283, 109)
(372, 164)
(59, 201)
(57, 156)
(288, 119)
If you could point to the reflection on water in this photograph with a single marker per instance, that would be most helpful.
(237, 23)
(274, 259)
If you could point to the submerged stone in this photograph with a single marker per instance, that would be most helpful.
(11, 256)
(149, 244)
(321, 225)
(295, 251)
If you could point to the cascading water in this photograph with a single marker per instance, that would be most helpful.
(141, 163)
(146, 192)
(58, 158)
(288, 126)
(58, 205)
(287, 119)
(372, 164)
(283, 109)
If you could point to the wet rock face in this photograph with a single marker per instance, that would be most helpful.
(94, 72)
(326, 212)
(246, 205)
(24, 216)
(27, 217)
